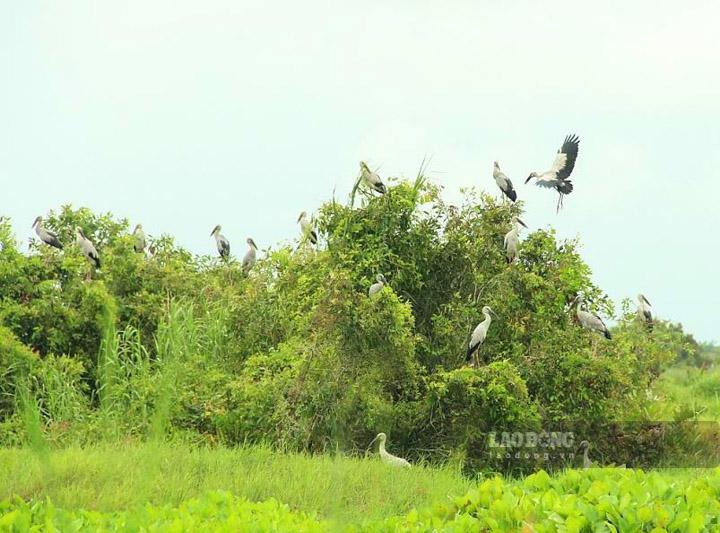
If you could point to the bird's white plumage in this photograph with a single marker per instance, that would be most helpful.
(371, 178)
(87, 248)
(644, 309)
(250, 256)
(376, 287)
(479, 334)
(387, 457)
(140, 239)
(222, 244)
(590, 320)
(512, 240)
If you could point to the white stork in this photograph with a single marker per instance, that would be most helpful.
(140, 240)
(590, 320)
(389, 458)
(371, 178)
(645, 311)
(46, 236)
(504, 182)
(585, 447)
(88, 249)
(512, 240)
(223, 245)
(557, 177)
(478, 335)
(306, 228)
(375, 288)
(250, 256)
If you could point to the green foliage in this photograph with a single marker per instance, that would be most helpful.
(591, 500)
(297, 354)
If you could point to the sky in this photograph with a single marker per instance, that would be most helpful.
(184, 114)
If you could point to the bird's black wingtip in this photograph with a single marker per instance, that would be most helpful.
(512, 195)
(607, 335)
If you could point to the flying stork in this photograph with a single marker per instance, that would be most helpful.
(371, 178)
(140, 240)
(478, 336)
(645, 311)
(306, 229)
(46, 236)
(512, 240)
(88, 250)
(504, 182)
(375, 288)
(557, 177)
(590, 320)
(223, 245)
(389, 458)
(250, 256)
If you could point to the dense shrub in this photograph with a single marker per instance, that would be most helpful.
(295, 352)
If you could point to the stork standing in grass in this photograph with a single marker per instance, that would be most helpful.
(376, 287)
(512, 240)
(590, 320)
(48, 237)
(585, 447)
(558, 176)
(88, 250)
(223, 245)
(250, 256)
(386, 457)
(140, 240)
(371, 178)
(478, 336)
(645, 311)
(306, 228)
(504, 182)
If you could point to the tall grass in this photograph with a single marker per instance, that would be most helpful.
(110, 477)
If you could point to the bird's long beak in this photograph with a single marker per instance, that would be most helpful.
(34, 222)
(373, 441)
(522, 223)
(646, 301)
(528, 179)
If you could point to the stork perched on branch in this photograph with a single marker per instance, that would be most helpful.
(376, 287)
(223, 245)
(48, 237)
(504, 182)
(645, 311)
(386, 457)
(590, 320)
(557, 177)
(512, 240)
(140, 240)
(250, 256)
(478, 336)
(371, 178)
(88, 249)
(306, 228)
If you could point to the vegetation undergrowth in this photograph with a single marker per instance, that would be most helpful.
(122, 476)
(89, 492)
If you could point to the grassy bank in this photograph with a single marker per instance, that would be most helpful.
(120, 477)
(684, 392)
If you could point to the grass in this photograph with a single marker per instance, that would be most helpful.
(119, 477)
(687, 392)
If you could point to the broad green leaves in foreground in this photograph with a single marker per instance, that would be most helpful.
(592, 500)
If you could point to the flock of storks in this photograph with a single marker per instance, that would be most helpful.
(557, 178)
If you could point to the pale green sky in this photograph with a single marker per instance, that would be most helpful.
(185, 114)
